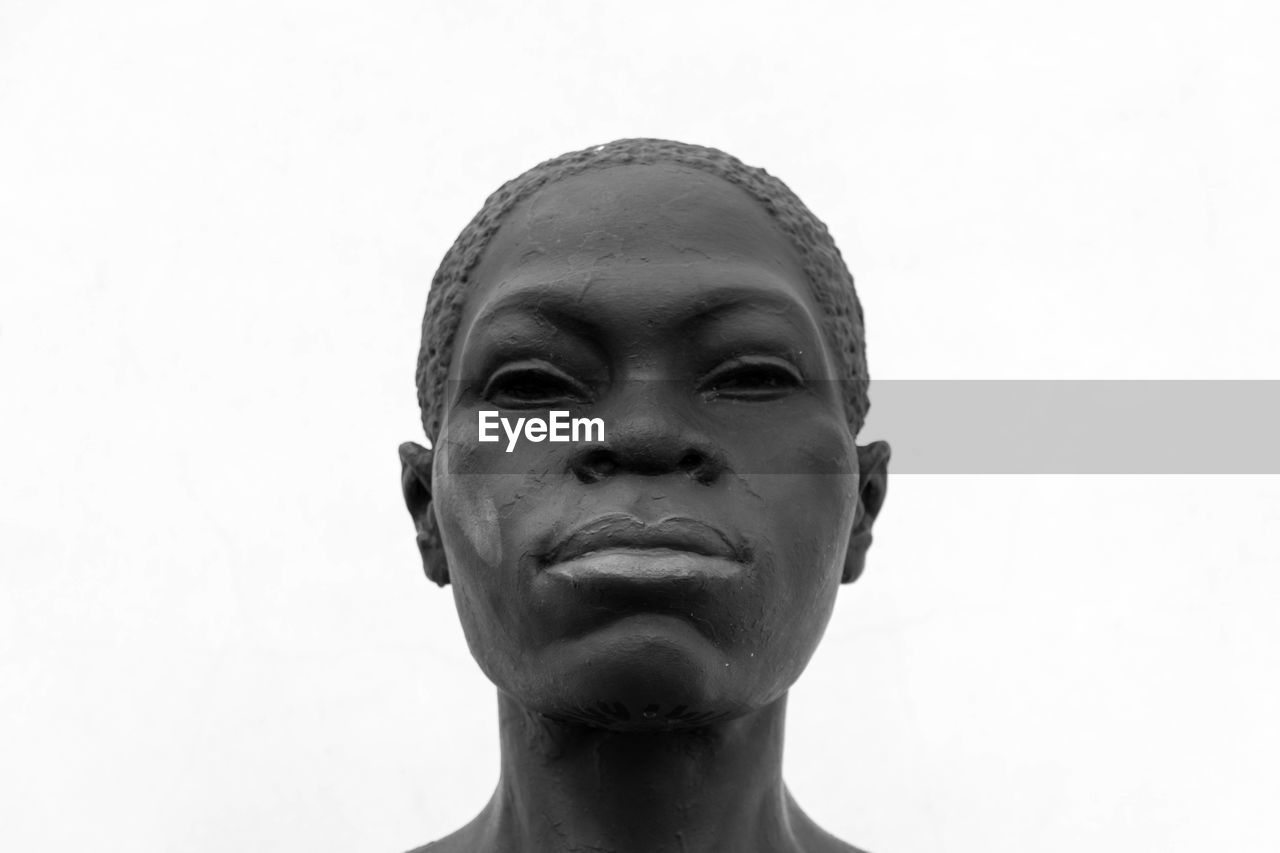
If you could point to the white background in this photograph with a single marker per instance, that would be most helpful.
(217, 225)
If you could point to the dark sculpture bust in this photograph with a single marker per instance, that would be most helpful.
(644, 601)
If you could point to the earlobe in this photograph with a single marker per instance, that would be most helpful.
(415, 482)
(873, 468)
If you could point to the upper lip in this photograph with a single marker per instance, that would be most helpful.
(625, 531)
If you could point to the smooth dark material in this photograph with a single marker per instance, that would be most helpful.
(644, 603)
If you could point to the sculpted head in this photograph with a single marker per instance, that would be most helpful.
(682, 569)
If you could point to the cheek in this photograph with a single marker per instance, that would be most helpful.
(464, 502)
(484, 498)
(813, 494)
(811, 505)
(472, 523)
(471, 530)
(812, 519)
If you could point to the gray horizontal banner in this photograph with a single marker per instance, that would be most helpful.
(1078, 426)
(942, 426)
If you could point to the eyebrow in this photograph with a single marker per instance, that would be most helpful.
(564, 309)
(725, 304)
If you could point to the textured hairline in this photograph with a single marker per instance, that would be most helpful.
(830, 282)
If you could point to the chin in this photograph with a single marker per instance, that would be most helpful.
(644, 673)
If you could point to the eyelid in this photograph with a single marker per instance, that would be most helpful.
(736, 362)
(531, 365)
(726, 370)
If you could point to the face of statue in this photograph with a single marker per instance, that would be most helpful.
(682, 569)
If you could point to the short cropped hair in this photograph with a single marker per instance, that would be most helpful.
(829, 279)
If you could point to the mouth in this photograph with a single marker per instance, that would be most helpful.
(617, 565)
(620, 535)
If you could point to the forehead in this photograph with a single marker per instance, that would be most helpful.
(622, 228)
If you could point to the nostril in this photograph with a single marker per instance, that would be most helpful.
(602, 463)
(699, 466)
(595, 466)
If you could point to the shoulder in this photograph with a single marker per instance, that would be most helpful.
(465, 840)
(815, 839)
(442, 846)
(436, 847)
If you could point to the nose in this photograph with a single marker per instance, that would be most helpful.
(650, 435)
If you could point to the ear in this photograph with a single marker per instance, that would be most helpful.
(415, 480)
(873, 468)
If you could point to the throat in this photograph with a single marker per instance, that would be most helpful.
(566, 786)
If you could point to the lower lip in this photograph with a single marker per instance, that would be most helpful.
(640, 565)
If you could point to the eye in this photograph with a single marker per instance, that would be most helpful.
(752, 379)
(533, 385)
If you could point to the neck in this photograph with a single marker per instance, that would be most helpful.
(569, 787)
